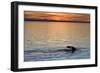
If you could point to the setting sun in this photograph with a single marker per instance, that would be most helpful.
(56, 16)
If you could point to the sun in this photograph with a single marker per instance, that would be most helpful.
(56, 18)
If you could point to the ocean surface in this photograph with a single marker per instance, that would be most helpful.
(47, 55)
(46, 41)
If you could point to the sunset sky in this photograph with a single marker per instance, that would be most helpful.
(56, 16)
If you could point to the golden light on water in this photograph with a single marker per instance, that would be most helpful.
(57, 31)
(76, 34)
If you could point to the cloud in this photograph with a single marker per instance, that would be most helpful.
(56, 16)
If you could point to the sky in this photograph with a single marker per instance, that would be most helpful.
(56, 16)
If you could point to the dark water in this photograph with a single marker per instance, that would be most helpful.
(43, 39)
(47, 55)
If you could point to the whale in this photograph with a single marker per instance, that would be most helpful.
(71, 49)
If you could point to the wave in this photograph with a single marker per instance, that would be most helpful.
(58, 54)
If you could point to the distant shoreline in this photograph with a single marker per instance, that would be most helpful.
(56, 20)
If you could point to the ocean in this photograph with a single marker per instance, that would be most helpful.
(46, 41)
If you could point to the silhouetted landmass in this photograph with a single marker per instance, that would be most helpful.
(55, 20)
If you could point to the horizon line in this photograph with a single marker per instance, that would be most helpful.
(55, 20)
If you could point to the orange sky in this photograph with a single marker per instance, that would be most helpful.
(57, 16)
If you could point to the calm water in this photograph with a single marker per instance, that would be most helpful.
(43, 38)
